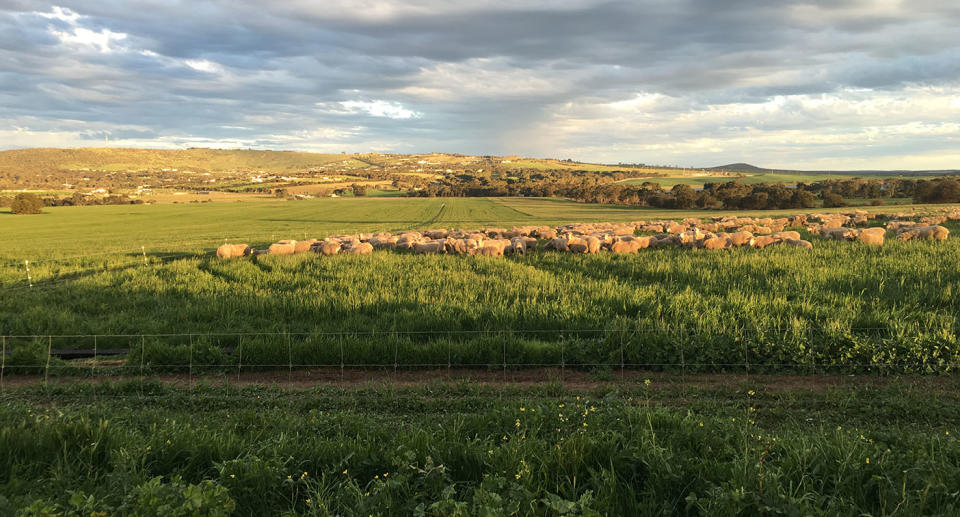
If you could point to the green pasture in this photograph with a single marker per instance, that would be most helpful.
(745, 447)
(120, 229)
(841, 305)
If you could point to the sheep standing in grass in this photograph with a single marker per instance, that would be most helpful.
(872, 236)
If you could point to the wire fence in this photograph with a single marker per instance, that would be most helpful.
(493, 355)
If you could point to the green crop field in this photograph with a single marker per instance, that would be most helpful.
(748, 446)
(70, 231)
(840, 306)
(466, 385)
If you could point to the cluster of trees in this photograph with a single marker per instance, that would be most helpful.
(730, 194)
(78, 199)
(26, 204)
(940, 190)
(29, 203)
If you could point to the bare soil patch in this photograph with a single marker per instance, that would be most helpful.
(568, 379)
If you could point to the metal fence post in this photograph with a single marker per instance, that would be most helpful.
(190, 374)
(563, 364)
(239, 358)
(504, 357)
(340, 340)
(143, 353)
(3, 360)
(93, 366)
(746, 356)
(622, 363)
(683, 364)
(46, 370)
(26, 264)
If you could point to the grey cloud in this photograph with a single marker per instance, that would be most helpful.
(281, 61)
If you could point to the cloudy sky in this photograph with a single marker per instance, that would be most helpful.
(838, 84)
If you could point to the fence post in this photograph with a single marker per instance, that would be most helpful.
(563, 363)
(396, 354)
(504, 357)
(813, 358)
(239, 358)
(683, 364)
(46, 371)
(340, 339)
(93, 367)
(190, 371)
(622, 364)
(143, 353)
(746, 356)
(289, 358)
(143, 249)
(26, 264)
(3, 360)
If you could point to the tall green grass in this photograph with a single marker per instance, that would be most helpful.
(840, 306)
(470, 450)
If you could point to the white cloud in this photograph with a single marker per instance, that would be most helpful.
(380, 108)
(203, 65)
(104, 41)
(60, 13)
(850, 128)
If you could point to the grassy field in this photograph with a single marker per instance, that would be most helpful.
(746, 446)
(170, 434)
(839, 306)
(70, 231)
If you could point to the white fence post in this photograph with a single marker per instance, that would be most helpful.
(26, 264)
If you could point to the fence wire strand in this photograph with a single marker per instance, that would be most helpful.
(503, 361)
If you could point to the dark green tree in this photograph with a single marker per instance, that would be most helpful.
(831, 199)
(27, 203)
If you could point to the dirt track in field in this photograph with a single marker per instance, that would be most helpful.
(568, 379)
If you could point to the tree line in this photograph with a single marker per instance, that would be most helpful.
(725, 195)
(730, 194)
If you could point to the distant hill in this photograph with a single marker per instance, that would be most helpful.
(753, 169)
(43, 160)
(63, 170)
(738, 167)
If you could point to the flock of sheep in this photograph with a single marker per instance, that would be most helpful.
(724, 232)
